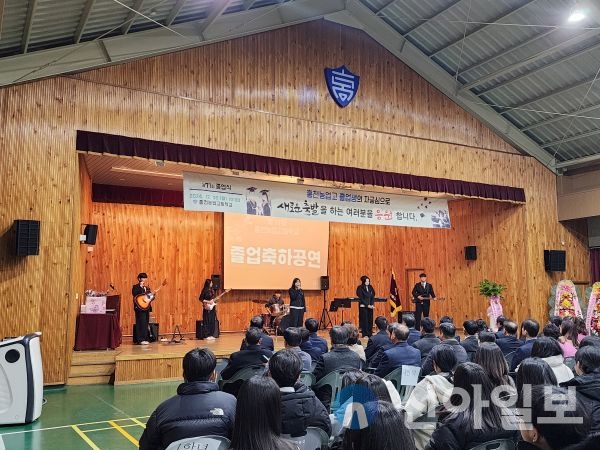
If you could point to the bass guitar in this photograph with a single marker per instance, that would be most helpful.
(210, 304)
(142, 301)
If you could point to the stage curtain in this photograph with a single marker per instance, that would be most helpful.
(595, 264)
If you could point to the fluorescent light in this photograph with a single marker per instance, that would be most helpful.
(576, 16)
(146, 173)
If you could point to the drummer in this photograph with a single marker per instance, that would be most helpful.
(275, 305)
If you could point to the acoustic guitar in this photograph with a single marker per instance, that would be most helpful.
(143, 300)
(210, 304)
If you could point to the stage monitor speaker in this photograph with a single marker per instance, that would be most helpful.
(28, 237)
(90, 231)
(555, 260)
(471, 253)
(324, 283)
(216, 281)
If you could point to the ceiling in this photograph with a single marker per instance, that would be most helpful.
(517, 65)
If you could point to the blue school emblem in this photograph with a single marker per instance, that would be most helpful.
(342, 85)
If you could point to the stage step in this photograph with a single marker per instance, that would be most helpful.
(92, 367)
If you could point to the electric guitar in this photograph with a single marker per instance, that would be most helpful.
(210, 304)
(142, 301)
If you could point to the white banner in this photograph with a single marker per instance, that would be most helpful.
(204, 192)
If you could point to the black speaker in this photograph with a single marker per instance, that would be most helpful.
(28, 237)
(216, 281)
(471, 253)
(90, 231)
(555, 260)
(324, 283)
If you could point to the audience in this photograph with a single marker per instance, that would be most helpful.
(552, 331)
(590, 340)
(470, 342)
(486, 336)
(379, 339)
(568, 340)
(490, 357)
(300, 408)
(533, 372)
(556, 320)
(447, 335)
(509, 342)
(258, 417)
(353, 342)
(198, 409)
(414, 335)
(481, 325)
(401, 354)
(529, 330)
(317, 343)
(293, 338)
(549, 350)
(266, 341)
(581, 328)
(428, 338)
(500, 326)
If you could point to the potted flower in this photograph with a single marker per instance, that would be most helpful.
(493, 291)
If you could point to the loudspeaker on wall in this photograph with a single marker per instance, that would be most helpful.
(91, 232)
(471, 253)
(216, 281)
(28, 237)
(555, 260)
(324, 283)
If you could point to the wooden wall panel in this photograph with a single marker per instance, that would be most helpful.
(236, 96)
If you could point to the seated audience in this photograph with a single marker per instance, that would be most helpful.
(533, 372)
(266, 341)
(252, 356)
(549, 350)
(466, 424)
(581, 328)
(552, 331)
(500, 326)
(374, 362)
(258, 417)
(568, 337)
(401, 354)
(379, 339)
(300, 408)
(431, 392)
(470, 342)
(428, 338)
(305, 345)
(509, 342)
(318, 345)
(590, 340)
(486, 336)
(481, 325)
(414, 335)
(529, 330)
(556, 320)
(448, 319)
(490, 357)
(353, 343)
(198, 409)
(553, 427)
(447, 336)
(587, 382)
(293, 338)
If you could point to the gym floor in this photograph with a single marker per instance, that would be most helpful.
(83, 417)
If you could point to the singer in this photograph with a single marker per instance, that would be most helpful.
(366, 297)
(297, 304)
(209, 311)
(422, 293)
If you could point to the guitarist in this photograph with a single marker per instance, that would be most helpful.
(209, 315)
(142, 317)
(422, 293)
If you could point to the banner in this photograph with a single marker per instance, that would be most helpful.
(204, 192)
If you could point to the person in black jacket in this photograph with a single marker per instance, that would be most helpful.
(422, 294)
(297, 303)
(300, 408)
(142, 316)
(587, 382)
(266, 341)
(198, 409)
(428, 338)
(366, 298)
(378, 340)
(470, 342)
(209, 310)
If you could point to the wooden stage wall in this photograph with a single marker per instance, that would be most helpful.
(265, 94)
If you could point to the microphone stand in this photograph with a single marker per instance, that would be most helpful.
(325, 318)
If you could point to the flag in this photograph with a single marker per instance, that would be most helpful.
(394, 301)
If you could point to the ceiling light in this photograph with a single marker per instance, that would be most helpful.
(576, 16)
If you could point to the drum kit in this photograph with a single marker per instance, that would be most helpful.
(277, 319)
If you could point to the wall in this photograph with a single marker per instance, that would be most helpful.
(265, 95)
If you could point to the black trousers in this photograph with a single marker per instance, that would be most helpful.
(142, 318)
(421, 308)
(365, 320)
(210, 318)
(296, 317)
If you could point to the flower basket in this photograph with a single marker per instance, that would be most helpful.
(492, 291)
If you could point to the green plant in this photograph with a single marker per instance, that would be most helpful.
(490, 288)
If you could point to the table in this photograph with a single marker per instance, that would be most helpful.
(97, 332)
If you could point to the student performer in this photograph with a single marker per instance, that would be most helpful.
(142, 316)
(297, 303)
(422, 293)
(366, 298)
(209, 310)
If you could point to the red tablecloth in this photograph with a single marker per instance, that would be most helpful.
(97, 332)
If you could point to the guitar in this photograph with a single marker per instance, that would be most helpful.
(142, 301)
(210, 304)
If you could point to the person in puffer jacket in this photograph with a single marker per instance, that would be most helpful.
(198, 409)
(300, 408)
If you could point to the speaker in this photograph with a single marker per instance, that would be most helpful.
(471, 253)
(216, 281)
(28, 237)
(324, 283)
(555, 260)
(90, 231)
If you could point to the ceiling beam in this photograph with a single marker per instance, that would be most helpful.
(481, 28)
(533, 58)
(426, 21)
(137, 6)
(408, 53)
(28, 25)
(249, 4)
(578, 162)
(83, 20)
(217, 9)
(561, 116)
(382, 11)
(174, 12)
(572, 138)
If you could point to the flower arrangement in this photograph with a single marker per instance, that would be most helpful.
(593, 315)
(489, 288)
(566, 301)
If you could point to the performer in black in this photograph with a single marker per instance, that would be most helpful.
(422, 293)
(366, 297)
(297, 304)
(275, 305)
(209, 310)
(142, 317)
